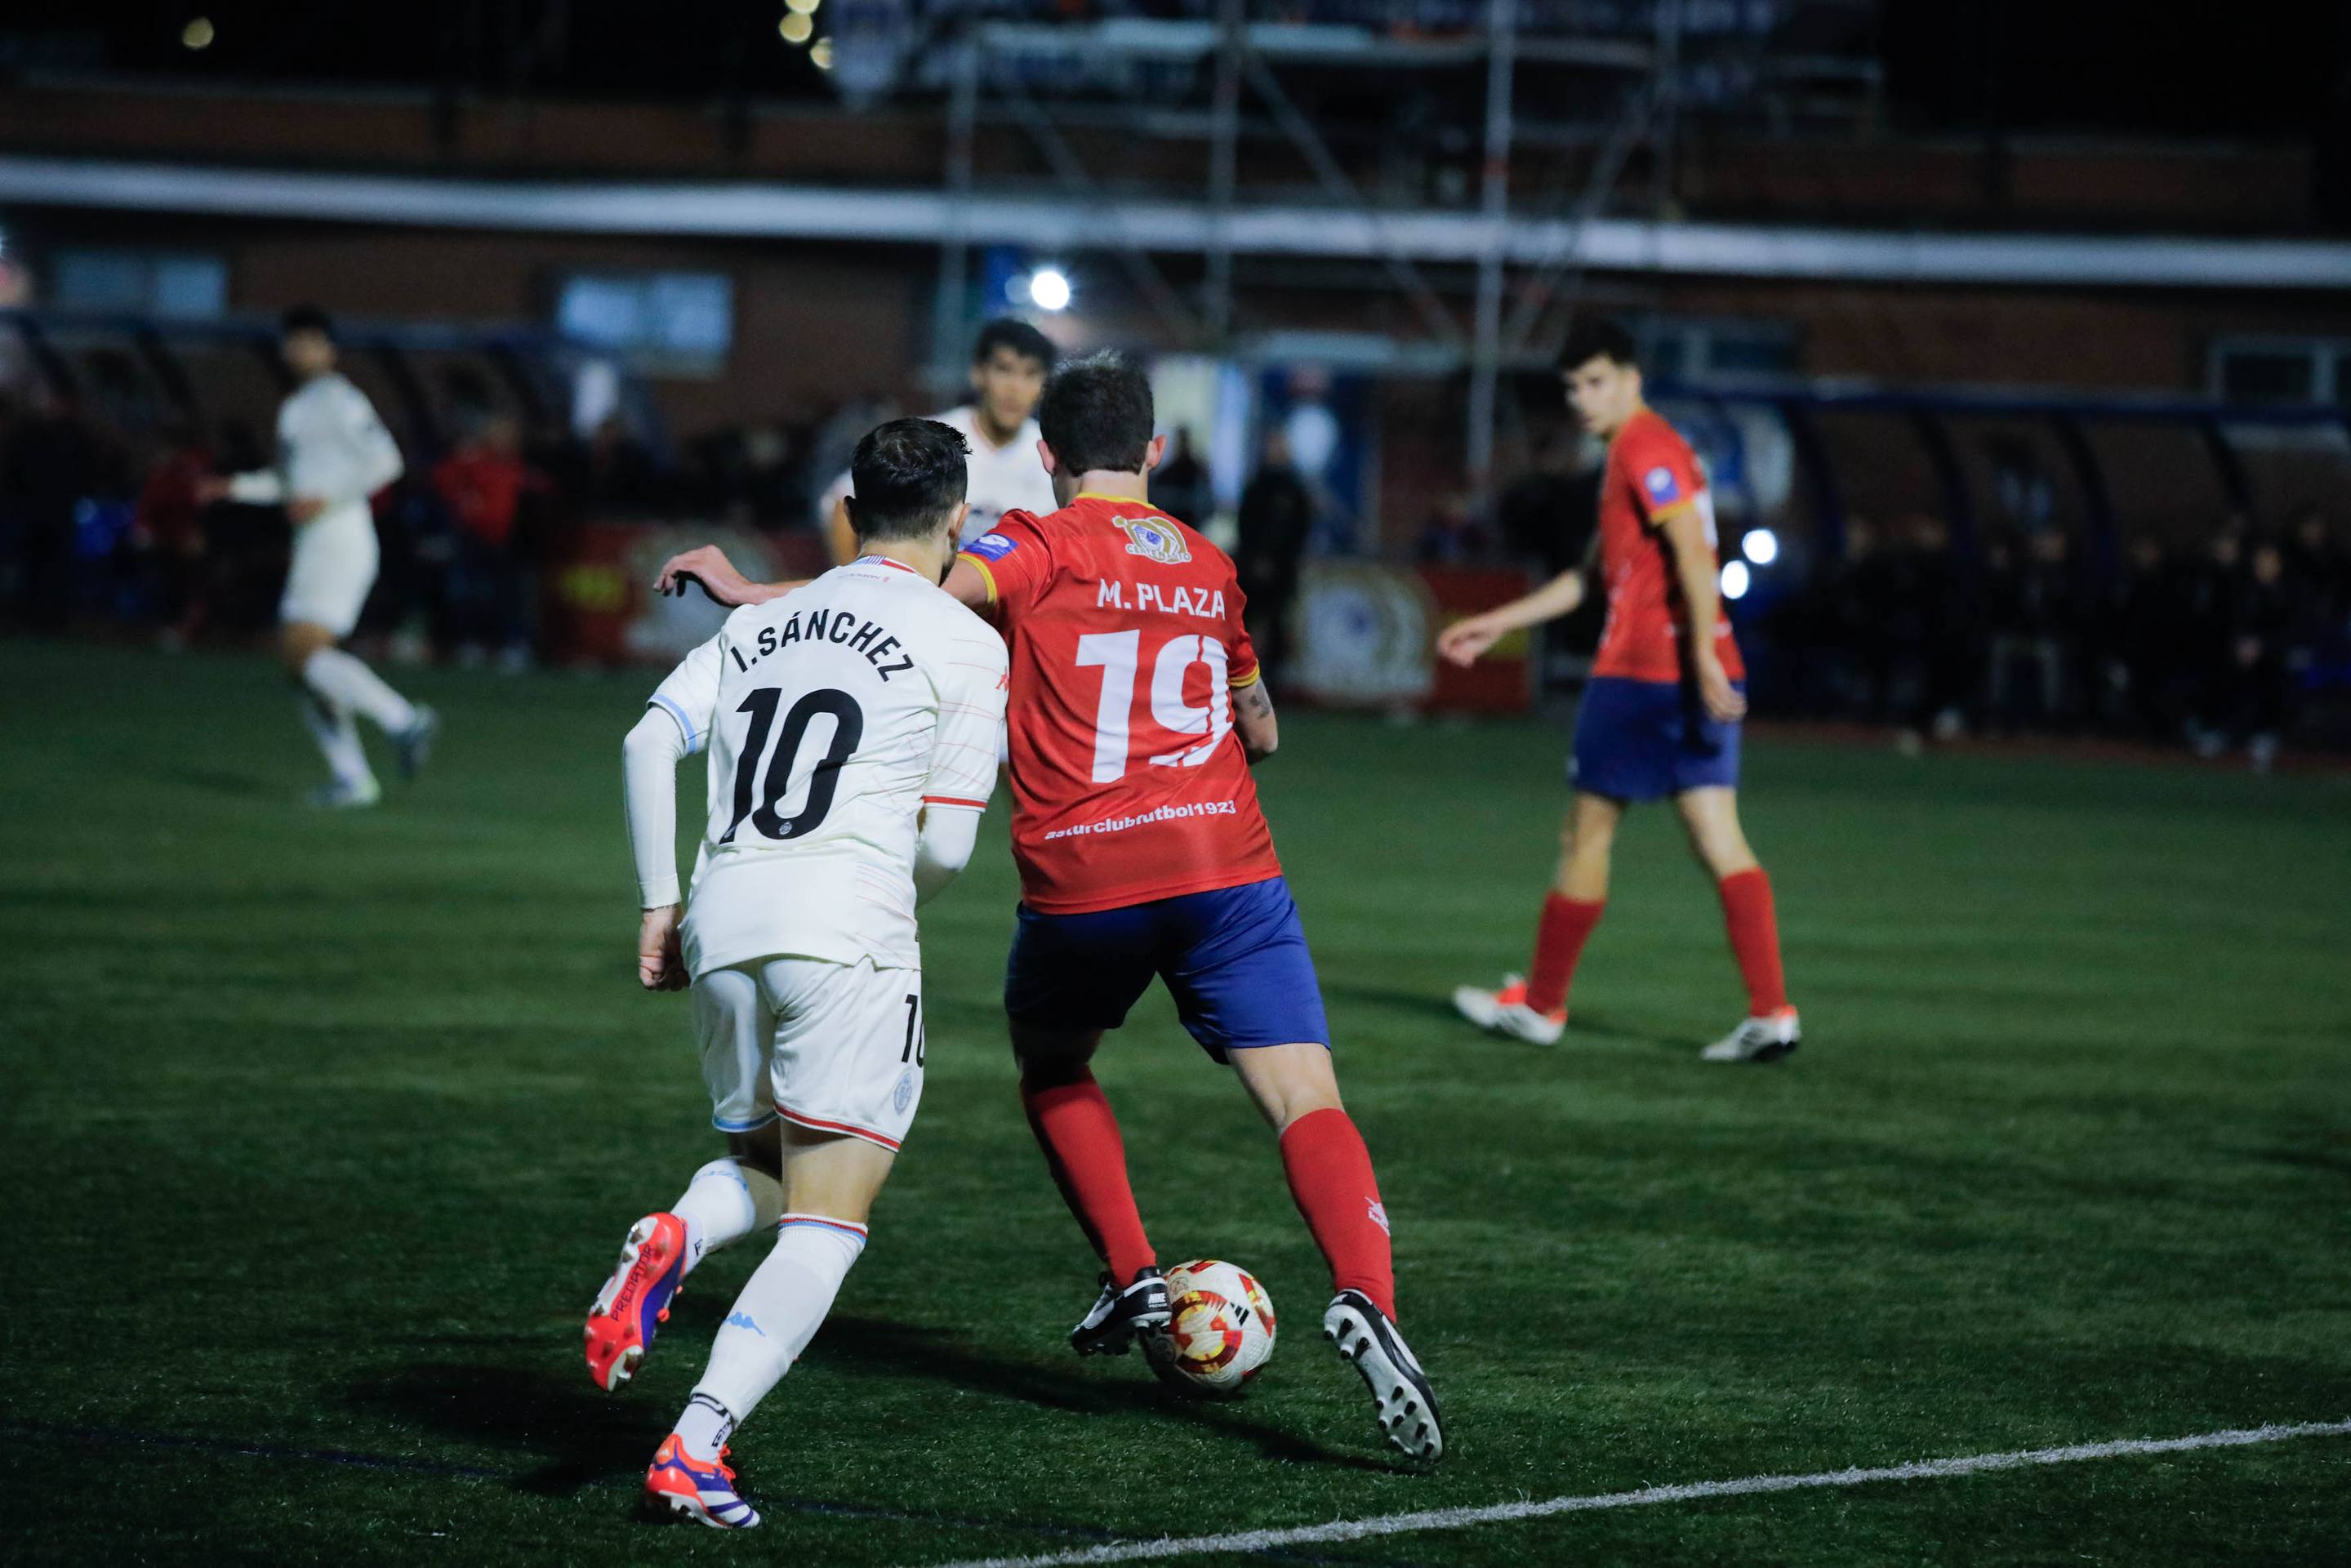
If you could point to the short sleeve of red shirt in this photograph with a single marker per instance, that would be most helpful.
(1014, 560)
(1664, 478)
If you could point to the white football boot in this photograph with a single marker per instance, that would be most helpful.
(1766, 1038)
(1505, 1012)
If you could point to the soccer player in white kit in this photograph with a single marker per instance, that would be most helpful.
(333, 453)
(1009, 363)
(853, 728)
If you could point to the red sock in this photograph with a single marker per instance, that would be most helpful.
(1331, 1178)
(1074, 1127)
(1558, 942)
(1754, 927)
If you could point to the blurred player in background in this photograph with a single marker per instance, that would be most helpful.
(333, 453)
(1136, 711)
(852, 728)
(1008, 367)
(1660, 718)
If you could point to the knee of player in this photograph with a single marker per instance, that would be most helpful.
(762, 1150)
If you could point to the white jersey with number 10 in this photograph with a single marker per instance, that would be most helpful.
(834, 716)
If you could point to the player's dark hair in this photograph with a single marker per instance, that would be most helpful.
(906, 476)
(307, 318)
(1597, 339)
(1008, 333)
(1097, 414)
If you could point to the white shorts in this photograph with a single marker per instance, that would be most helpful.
(835, 1048)
(333, 568)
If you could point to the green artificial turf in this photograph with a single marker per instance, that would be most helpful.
(318, 1132)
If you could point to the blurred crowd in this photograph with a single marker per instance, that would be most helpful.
(2213, 643)
(103, 527)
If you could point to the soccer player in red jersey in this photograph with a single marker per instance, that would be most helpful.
(1660, 718)
(1136, 708)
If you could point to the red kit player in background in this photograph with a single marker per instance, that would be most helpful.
(1136, 708)
(1660, 718)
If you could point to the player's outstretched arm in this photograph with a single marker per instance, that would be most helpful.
(1253, 718)
(708, 565)
(1464, 640)
(1694, 570)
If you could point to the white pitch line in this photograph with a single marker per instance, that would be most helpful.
(1502, 1513)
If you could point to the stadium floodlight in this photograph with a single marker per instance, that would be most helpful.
(1761, 546)
(821, 54)
(802, 7)
(1736, 580)
(795, 29)
(1049, 288)
(198, 34)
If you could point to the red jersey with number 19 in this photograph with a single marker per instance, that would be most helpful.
(1651, 474)
(1128, 784)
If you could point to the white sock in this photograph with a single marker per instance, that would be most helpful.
(726, 1200)
(772, 1322)
(331, 726)
(347, 682)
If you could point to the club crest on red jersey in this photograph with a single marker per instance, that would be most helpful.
(1153, 539)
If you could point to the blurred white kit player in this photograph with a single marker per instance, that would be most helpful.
(1004, 473)
(852, 728)
(333, 453)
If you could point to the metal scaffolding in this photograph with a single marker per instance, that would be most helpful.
(997, 74)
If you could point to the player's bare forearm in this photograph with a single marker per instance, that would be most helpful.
(1694, 570)
(1253, 716)
(1464, 640)
(1561, 596)
(708, 565)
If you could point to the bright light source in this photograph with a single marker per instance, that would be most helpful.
(1048, 286)
(821, 54)
(197, 33)
(1735, 580)
(795, 29)
(1761, 546)
(803, 7)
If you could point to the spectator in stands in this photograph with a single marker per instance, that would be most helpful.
(2130, 669)
(2207, 594)
(1181, 483)
(486, 486)
(1276, 518)
(2265, 615)
(170, 534)
(53, 464)
(1453, 535)
(2032, 605)
(2316, 560)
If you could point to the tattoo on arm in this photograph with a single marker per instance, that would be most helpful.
(1254, 702)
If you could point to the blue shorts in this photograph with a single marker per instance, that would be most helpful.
(1644, 740)
(1234, 958)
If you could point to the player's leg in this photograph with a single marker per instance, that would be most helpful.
(830, 1181)
(1068, 980)
(1710, 816)
(1535, 1008)
(1245, 987)
(326, 584)
(726, 1199)
(846, 1076)
(350, 781)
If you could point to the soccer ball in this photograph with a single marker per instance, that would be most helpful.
(1219, 1329)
